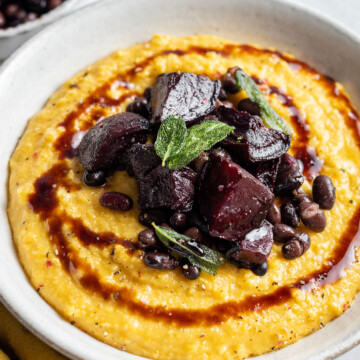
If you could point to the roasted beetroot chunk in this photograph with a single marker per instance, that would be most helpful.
(252, 141)
(266, 172)
(187, 95)
(289, 177)
(103, 144)
(231, 200)
(254, 249)
(140, 160)
(165, 188)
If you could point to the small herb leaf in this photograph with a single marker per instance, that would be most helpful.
(199, 138)
(268, 114)
(209, 261)
(170, 137)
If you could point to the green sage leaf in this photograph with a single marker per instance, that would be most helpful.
(268, 114)
(170, 138)
(209, 261)
(199, 138)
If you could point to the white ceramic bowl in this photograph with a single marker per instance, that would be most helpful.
(39, 67)
(12, 38)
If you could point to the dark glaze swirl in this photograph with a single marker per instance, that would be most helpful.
(44, 200)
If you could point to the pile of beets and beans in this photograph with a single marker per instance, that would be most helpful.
(223, 199)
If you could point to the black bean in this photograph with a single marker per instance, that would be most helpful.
(261, 269)
(289, 215)
(190, 271)
(324, 192)
(283, 233)
(312, 217)
(139, 106)
(116, 201)
(147, 240)
(304, 240)
(157, 216)
(292, 249)
(299, 197)
(249, 106)
(194, 233)
(229, 82)
(161, 261)
(178, 220)
(274, 215)
(94, 178)
(222, 95)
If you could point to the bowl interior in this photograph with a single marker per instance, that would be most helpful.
(36, 70)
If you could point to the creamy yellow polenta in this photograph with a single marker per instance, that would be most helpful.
(66, 279)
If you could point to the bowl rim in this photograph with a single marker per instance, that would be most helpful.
(17, 311)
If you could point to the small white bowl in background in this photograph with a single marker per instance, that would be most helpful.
(12, 37)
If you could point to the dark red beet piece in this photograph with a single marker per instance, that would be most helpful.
(254, 249)
(289, 177)
(252, 141)
(266, 172)
(183, 94)
(165, 188)
(140, 160)
(231, 200)
(103, 144)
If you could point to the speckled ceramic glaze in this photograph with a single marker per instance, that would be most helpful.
(37, 69)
